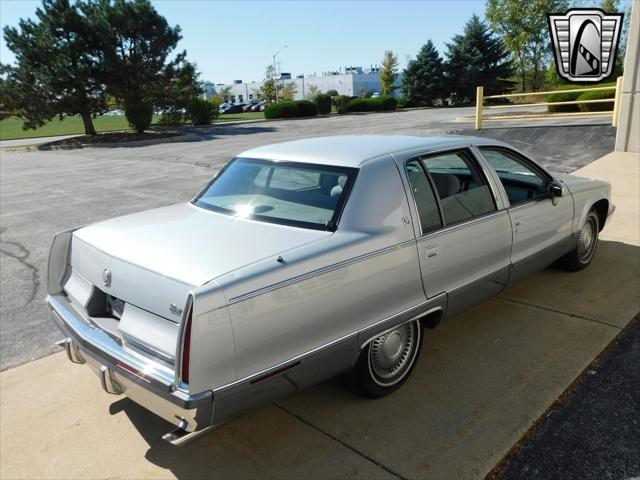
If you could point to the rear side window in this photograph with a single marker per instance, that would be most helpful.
(461, 187)
(424, 196)
(448, 188)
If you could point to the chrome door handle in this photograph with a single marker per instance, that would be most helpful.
(432, 252)
(518, 222)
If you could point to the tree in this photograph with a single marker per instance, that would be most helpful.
(288, 91)
(57, 56)
(225, 93)
(268, 89)
(423, 79)
(312, 90)
(523, 26)
(183, 87)
(475, 58)
(137, 44)
(389, 72)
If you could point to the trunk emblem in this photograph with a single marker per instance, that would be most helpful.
(106, 278)
(173, 308)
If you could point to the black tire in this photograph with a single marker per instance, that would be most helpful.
(580, 257)
(387, 361)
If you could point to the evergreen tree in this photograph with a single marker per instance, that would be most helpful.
(137, 44)
(268, 89)
(423, 79)
(477, 58)
(57, 56)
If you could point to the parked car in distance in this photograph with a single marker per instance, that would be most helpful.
(233, 108)
(259, 107)
(247, 107)
(305, 259)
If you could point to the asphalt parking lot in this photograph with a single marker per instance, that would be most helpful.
(482, 380)
(43, 192)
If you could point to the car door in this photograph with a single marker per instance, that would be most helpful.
(463, 238)
(541, 223)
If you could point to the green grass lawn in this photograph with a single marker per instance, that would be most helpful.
(11, 128)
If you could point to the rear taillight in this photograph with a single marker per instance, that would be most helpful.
(186, 349)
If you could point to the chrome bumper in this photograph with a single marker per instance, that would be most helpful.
(124, 372)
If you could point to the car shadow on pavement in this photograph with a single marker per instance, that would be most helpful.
(484, 377)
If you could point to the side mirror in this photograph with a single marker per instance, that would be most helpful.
(555, 189)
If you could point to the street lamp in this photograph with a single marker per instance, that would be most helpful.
(275, 79)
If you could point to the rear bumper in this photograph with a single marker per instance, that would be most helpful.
(120, 370)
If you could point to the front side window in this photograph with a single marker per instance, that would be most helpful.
(521, 181)
(297, 194)
(461, 187)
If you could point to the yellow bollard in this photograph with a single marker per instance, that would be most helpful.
(479, 102)
(616, 102)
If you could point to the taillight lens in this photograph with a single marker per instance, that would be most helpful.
(186, 350)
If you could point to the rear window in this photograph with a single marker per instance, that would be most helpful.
(288, 193)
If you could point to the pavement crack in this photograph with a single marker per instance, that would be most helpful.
(341, 442)
(554, 310)
(21, 257)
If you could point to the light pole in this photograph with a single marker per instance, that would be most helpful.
(275, 78)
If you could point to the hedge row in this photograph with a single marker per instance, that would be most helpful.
(292, 109)
(570, 96)
(374, 104)
(322, 105)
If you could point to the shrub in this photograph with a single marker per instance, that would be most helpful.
(307, 108)
(332, 93)
(375, 104)
(340, 103)
(288, 109)
(569, 96)
(202, 112)
(171, 118)
(388, 102)
(563, 97)
(403, 102)
(597, 95)
(139, 116)
(324, 103)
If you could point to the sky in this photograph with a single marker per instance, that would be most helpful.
(236, 40)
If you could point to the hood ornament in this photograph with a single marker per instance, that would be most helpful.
(106, 278)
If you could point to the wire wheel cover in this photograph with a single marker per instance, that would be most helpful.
(391, 354)
(587, 240)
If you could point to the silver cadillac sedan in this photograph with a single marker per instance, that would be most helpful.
(305, 259)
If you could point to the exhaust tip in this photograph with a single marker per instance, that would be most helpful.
(180, 436)
(73, 353)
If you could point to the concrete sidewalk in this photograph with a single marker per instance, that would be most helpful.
(483, 379)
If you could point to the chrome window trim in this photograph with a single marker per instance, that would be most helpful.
(319, 271)
(497, 200)
(463, 224)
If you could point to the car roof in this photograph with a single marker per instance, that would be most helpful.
(354, 150)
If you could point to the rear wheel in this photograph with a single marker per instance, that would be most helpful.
(386, 362)
(581, 256)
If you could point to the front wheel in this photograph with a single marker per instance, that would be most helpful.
(581, 256)
(386, 362)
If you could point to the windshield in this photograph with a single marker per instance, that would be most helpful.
(297, 194)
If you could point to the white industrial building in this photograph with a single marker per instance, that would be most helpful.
(355, 82)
